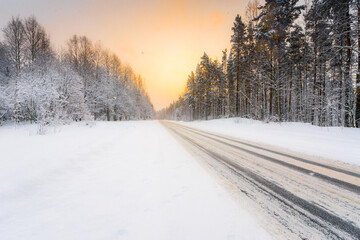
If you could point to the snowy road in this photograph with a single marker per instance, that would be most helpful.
(299, 197)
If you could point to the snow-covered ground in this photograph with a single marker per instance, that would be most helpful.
(119, 180)
(333, 143)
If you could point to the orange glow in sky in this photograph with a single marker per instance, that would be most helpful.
(161, 40)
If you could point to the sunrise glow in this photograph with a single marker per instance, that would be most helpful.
(162, 40)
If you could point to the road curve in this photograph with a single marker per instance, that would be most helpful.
(301, 197)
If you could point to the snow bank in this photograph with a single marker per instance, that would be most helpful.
(125, 180)
(333, 143)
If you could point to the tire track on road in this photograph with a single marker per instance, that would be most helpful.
(314, 213)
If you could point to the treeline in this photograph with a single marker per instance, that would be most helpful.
(81, 82)
(289, 62)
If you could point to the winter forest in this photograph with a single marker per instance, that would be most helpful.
(287, 62)
(83, 81)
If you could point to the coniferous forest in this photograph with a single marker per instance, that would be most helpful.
(287, 62)
(83, 81)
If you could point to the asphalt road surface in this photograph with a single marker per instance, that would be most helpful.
(296, 196)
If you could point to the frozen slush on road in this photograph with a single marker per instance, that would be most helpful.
(120, 180)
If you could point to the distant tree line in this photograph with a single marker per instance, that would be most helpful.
(81, 82)
(289, 62)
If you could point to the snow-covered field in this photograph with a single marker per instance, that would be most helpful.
(333, 143)
(117, 180)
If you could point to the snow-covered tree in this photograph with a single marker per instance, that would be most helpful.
(84, 82)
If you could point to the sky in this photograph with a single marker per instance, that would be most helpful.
(162, 40)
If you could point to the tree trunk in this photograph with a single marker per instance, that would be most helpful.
(348, 121)
(108, 113)
(271, 85)
(237, 84)
(95, 111)
(290, 114)
(314, 88)
(357, 106)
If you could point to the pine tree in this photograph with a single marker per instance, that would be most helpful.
(230, 76)
(238, 40)
(190, 94)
